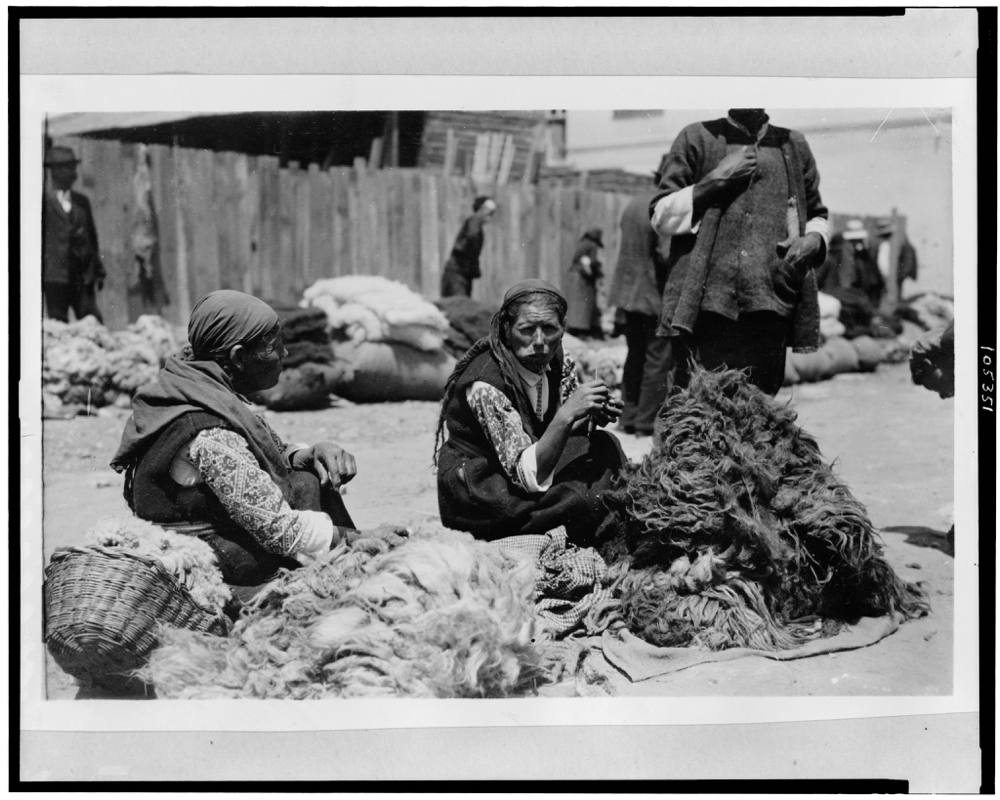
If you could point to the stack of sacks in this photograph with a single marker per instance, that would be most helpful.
(390, 338)
(308, 377)
(929, 310)
(468, 322)
(829, 316)
(188, 559)
(605, 361)
(83, 363)
(836, 356)
(369, 308)
(740, 535)
(439, 616)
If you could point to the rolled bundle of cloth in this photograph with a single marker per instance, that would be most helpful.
(439, 616)
(740, 535)
(369, 308)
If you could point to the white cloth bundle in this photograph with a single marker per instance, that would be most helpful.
(369, 308)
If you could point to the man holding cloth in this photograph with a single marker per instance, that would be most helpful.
(740, 199)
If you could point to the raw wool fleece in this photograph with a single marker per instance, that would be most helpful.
(85, 363)
(605, 362)
(369, 308)
(739, 534)
(442, 615)
(190, 560)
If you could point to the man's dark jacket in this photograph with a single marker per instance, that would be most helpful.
(70, 253)
(639, 275)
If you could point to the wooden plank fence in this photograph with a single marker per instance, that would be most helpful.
(228, 220)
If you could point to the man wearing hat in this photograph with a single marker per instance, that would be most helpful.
(584, 317)
(864, 274)
(72, 271)
(906, 261)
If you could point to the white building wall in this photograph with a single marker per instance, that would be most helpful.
(906, 165)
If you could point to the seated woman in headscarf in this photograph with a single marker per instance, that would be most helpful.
(198, 460)
(521, 455)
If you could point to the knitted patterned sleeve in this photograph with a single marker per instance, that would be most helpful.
(253, 500)
(569, 382)
(503, 427)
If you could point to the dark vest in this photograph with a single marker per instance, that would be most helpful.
(464, 431)
(156, 497)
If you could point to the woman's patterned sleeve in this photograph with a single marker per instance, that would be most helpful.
(502, 425)
(252, 499)
(569, 383)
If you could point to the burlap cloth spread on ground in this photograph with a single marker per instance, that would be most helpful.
(640, 661)
(572, 585)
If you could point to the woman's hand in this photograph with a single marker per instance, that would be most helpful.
(610, 413)
(393, 535)
(591, 397)
(334, 465)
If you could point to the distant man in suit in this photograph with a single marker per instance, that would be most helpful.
(636, 290)
(72, 272)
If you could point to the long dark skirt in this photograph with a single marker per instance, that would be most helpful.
(475, 495)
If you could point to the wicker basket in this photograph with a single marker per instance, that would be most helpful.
(102, 606)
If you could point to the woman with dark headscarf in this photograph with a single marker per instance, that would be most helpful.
(584, 317)
(198, 460)
(521, 455)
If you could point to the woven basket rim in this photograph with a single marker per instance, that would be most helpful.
(63, 553)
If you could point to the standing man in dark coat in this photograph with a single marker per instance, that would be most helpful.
(584, 316)
(636, 290)
(72, 271)
(740, 199)
(906, 260)
(462, 267)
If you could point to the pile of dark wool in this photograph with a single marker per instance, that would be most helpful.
(468, 322)
(303, 325)
(739, 535)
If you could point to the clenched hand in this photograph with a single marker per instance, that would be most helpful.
(334, 465)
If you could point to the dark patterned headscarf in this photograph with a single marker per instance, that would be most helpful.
(496, 343)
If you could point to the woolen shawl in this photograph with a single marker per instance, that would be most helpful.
(193, 382)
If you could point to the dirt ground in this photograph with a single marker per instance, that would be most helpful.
(892, 443)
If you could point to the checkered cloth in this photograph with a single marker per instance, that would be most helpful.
(572, 586)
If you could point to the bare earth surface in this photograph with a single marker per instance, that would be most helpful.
(892, 443)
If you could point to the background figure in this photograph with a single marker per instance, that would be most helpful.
(72, 271)
(636, 290)
(906, 262)
(584, 316)
(462, 267)
(862, 271)
(740, 197)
